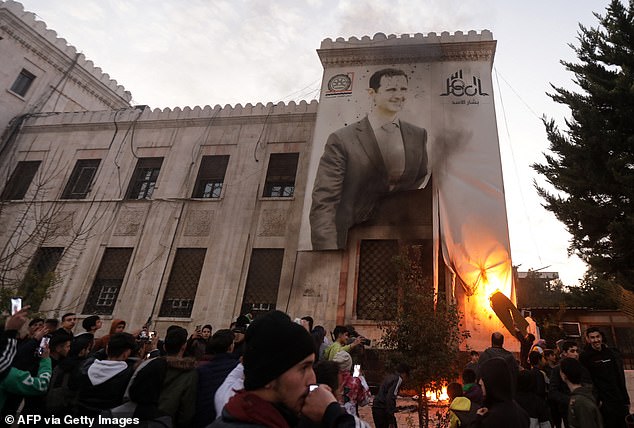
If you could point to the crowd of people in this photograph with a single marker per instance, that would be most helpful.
(278, 372)
(566, 386)
(272, 371)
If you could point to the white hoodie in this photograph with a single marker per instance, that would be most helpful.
(103, 370)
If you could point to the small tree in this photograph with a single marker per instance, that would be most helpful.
(425, 333)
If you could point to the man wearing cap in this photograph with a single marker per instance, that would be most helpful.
(278, 370)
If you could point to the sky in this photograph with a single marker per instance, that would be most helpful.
(201, 52)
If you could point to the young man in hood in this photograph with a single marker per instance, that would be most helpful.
(499, 409)
(608, 377)
(462, 412)
(102, 383)
(117, 326)
(582, 410)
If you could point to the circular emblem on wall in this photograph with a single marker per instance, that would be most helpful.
(339, 82)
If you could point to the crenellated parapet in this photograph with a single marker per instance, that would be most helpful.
(142, 115)
(408, 48)
(62, 55)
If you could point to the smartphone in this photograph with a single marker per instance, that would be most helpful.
(16, 304)
(357, 370)
(43, 344)
(199, 327)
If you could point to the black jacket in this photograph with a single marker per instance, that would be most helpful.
(386, 397)
(95, 396)
(608, 377)
(503, 411)
(210, 376)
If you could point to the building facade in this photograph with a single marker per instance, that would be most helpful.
(197, 215)
(40, 72)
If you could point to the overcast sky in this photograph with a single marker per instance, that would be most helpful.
(201, 52)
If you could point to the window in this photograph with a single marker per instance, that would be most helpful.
(80, 180)
(20, 180)
(103, 294)
(376, 292)
(280, 177)
(263, 280)
(183, 282)
(377, 295)
(40, 275)
(211, 176)
(144, 179)
(23, 83)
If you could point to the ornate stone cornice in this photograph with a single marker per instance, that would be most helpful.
(382, 49)
(33, 35)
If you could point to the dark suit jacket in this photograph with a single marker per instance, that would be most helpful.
(352, 177)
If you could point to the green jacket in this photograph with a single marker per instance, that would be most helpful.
(21, 382)
(583, 411)
(332, 350)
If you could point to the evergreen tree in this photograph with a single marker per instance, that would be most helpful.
(591, 164)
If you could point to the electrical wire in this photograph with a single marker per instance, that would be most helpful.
(515, 169)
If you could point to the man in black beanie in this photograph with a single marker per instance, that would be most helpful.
(278, 371)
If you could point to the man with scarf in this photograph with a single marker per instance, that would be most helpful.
(278, 371)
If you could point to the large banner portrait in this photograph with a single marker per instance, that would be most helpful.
(370, 142)
(384, 129)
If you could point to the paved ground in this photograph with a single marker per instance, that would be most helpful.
(405, 418)
(409, 418)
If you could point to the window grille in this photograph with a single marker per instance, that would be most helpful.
(263, 280)
(23, 82)
(144, 178)
(376, 289)
(211, 176)
(377, 293)
(280, 176)
(110, 275)
(182, 284)
(80, 180)
(20, 180)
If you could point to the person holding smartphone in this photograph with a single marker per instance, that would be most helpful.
(355, 390)
(9, 338)
(278, 375)
(20, 382)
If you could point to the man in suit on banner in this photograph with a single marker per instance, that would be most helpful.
(366, 161)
